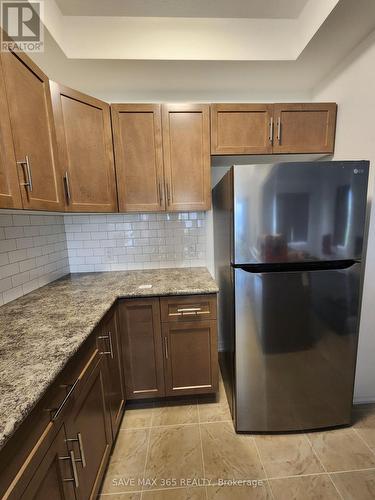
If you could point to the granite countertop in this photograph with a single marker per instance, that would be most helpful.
(41, 331)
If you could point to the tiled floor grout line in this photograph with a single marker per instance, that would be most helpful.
(261, 463)
(204, 468)
(146, 459)
(363, 440)
(322, 464)
(336, 488)
(151, 490)
(324, 473)
(175, 425)
(200, 436)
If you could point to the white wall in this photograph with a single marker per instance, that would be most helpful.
(352, 86)
(33, 252)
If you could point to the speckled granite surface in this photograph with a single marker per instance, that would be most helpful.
(42, 330)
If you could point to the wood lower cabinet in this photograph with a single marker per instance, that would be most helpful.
(189, 308)
(55, 477)
(169, 353)
(62, 449)
(139, 157)
(190, 339)
(191, 357)
(187, 161)
(110, 347)
(241, 129)
(304, 128)
(88, 430)
(33, 132)
(10, 195)
(139, 322)
(84, 137)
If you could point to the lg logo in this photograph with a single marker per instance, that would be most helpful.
(21, 22)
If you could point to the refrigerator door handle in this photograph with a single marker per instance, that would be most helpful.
(296, 266)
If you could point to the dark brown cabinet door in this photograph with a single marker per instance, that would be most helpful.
(54, 478)
(33, 131)
(109, 345)
(187, 161)
(84, 137)
(304, 128)
(88, 430)
(10, 196)
(190, 357)
(241, 129)
(139, 326)
(139, 158)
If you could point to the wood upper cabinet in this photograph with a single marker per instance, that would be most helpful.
(272, 128)
(109, 344)
(139, 159)
(187, 161)
(33, 131)
(241, 129)
(84, 137)
(88, 430)
(10, 196)
(139, 323)
(304, 128)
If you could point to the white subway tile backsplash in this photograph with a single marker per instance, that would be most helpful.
(37, 249)
(135, 241)
(33, 252)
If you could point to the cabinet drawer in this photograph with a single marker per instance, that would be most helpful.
(193, 307)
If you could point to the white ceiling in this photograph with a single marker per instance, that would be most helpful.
(172, 37)
(271, 9)
(345, 29)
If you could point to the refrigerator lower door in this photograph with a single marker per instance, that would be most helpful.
(296, 337)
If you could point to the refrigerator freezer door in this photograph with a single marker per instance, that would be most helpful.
(299, 212)
(296, 342)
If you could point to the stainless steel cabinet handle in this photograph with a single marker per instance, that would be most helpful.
(78, 440)
(81, 449)
(189, 309)
(65, 400)
(29, 178)
(279, 130)
(67, 187)
(166, 347)
(73, 460)
(271, 131)
(160, 189)
(168, 194)
(109, 338)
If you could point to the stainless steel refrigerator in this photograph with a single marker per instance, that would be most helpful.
(289, 243)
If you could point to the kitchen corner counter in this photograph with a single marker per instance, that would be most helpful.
(41, 331)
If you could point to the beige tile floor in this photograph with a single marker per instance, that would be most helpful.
(182, 452)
